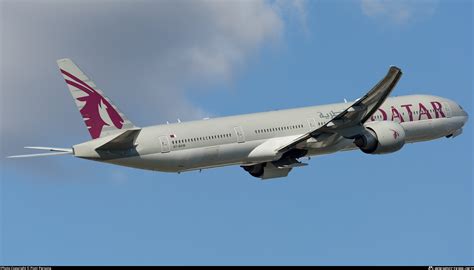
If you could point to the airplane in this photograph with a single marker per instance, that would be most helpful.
(268, 144)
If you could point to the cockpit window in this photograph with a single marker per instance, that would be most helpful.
(460, 107)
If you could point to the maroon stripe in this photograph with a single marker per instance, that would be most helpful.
(88, 91)
(76, 79)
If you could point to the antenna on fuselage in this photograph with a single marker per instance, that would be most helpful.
(179, 121)
(345, 100)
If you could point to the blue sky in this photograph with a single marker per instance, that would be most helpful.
(411, 207)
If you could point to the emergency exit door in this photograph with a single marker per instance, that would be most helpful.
(165, 144)
(239, 133)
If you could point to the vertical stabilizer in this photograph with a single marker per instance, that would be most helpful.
(100, 115)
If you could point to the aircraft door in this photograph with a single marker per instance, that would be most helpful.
(165, 144)
(312, 124)
(240, 134)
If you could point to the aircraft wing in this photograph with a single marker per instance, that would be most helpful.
(348, 122)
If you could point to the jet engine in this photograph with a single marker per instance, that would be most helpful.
(269, 170)
(381, 138)
(256, 170)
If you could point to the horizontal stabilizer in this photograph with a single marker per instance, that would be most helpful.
(55, 152)
(41, 155)
(124, 141)
(68, 150)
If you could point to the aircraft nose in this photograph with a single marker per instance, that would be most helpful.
(466, 116)
(460, 112)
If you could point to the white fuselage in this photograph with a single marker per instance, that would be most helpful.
(230, 140)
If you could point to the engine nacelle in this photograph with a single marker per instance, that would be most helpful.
(267, 170)
(381, 138)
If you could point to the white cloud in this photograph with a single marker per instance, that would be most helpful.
(143, 54)
(398, 11)
(296, 9)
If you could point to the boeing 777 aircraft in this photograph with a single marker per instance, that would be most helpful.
(267, 144)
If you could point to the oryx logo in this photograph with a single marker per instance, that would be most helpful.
(395, 134)
(97, 112)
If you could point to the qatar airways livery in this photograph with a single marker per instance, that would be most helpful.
(266, 145)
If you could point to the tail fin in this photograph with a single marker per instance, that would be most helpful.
(100, 115)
